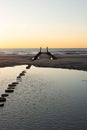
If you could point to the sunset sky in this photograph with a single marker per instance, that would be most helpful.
(35, 23)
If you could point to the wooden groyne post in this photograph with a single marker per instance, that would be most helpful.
(47, 52)
(37, 55)
(51, 55)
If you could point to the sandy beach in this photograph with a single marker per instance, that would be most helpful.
(69, 61)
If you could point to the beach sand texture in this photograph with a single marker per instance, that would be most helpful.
(69, 61)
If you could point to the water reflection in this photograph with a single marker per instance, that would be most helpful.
(46, 99)
(8, 75)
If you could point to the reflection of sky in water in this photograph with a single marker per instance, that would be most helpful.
(8, 75)
(46, 99)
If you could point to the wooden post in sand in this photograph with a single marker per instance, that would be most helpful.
(47, 49)
(40, 49)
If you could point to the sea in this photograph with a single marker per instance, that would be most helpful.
(62, 51)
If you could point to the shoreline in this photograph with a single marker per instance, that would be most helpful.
(67, 61)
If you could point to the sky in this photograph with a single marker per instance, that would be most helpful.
(42, 23)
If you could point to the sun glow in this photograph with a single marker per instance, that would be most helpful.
(55, 24)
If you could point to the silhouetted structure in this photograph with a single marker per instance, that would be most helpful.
(47, 52)
(47, 49)
(40, 49)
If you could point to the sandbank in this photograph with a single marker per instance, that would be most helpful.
(69, 61)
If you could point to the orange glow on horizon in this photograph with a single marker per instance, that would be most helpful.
(50, 44)
(34, 24)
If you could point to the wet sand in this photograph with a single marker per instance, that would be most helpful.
(69, 61)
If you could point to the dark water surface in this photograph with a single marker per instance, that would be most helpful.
(46, 99)
(81, 51)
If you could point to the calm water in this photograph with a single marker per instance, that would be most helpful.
(45, 99)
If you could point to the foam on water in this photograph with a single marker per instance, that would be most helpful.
(82, 51)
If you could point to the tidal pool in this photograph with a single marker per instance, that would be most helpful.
(45, 99)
